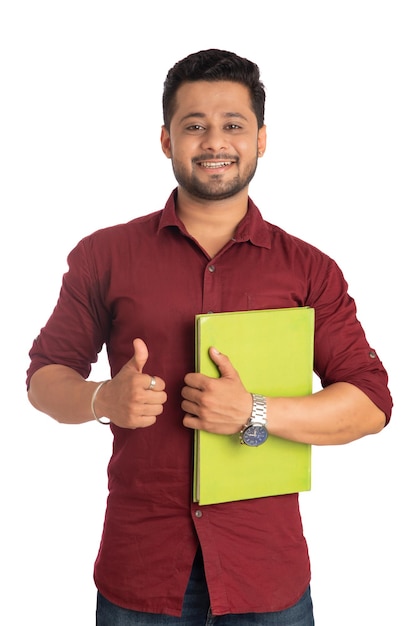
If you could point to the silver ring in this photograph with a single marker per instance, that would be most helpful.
(152, 383)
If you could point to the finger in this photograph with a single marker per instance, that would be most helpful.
(224, 365)
(150, 409)
(196, 381)
(191, 421)
(154, 384)
(140, 356)
(188, 406)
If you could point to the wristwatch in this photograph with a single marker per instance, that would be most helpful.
(254, 432)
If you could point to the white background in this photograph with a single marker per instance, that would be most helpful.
(81, 86)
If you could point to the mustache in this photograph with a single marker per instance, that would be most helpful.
(221, 156)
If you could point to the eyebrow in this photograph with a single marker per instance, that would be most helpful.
(200, 115)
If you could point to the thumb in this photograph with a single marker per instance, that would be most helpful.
(140, 356)
(222, 362)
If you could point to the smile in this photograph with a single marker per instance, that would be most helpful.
(212, 165)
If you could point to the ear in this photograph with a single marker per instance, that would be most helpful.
(262, 140)
(165, 142)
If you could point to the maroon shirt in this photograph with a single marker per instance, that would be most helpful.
(149, 279)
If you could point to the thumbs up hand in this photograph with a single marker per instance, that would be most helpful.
(132, 399)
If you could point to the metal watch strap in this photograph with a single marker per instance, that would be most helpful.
(259, 412)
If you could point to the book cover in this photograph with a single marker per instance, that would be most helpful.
(272, 350)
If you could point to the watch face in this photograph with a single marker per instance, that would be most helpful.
(254, 435)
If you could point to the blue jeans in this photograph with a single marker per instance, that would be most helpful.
(196, 610)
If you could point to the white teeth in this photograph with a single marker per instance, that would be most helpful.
(215, 165)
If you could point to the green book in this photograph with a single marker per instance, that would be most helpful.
(272, 350)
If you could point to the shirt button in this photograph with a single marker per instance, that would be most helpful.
(372, 354)
(198, 513)
(211, 268)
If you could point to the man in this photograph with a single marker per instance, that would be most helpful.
(136, 288)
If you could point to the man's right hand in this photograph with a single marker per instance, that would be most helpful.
(127, 400)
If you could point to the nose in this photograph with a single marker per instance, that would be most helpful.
(214, 140)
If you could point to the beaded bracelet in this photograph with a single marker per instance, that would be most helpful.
(101, 420)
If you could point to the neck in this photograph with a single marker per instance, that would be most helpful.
(211, 223)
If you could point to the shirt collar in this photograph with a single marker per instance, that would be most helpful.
(251, 228)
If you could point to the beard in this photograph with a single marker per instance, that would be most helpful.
(216, 188)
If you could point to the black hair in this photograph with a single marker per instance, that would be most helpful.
(214, 65)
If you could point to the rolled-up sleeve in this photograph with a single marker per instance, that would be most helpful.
(342, 351)
(79, 324)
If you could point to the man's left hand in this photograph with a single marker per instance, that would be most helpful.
(217, 405)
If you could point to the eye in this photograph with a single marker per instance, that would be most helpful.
(195, 127)
(233, 127)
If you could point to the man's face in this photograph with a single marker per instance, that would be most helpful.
(213, 140)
